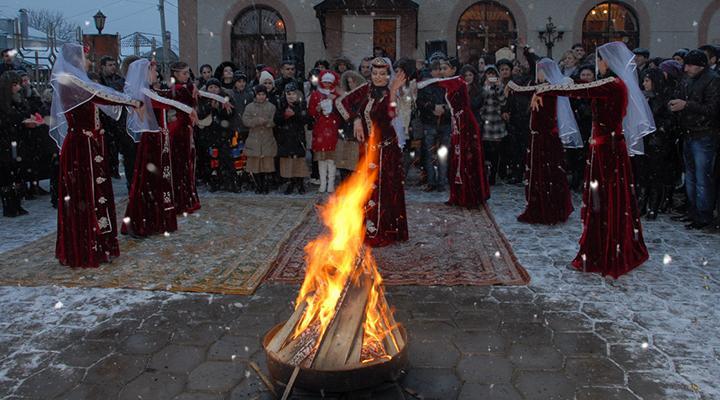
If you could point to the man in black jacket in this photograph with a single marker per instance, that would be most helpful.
(697, 105)
(435, 119)
(116, 137)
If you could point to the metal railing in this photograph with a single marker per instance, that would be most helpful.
(39, 60)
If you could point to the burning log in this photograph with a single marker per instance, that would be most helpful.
(342, 335)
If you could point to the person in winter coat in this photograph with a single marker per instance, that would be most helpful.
(260, 146)
(659, 146)
(583, 115)
(493, 125)
(436, 127)
(267, 80)
(322, 109)
(290, 120)
(218, 136)
(14, 119)
(347, 150)
(225, 73)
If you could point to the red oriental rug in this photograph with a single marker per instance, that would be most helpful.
(448, 246)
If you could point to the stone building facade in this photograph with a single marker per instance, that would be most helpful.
(249, 32)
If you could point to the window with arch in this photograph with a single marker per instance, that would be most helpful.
(484, 28)
(610, 21)
(257, 37)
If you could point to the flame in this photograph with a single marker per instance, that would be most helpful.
(331, 258)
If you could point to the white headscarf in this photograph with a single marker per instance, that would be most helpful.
(72, 88)
(638, 121)
(567, 126)
(135, 83)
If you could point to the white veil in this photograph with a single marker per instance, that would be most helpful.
(135, 83)
(72, 88)
(567, 126)
(638, 121)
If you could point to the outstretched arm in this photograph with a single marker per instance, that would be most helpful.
(601, 89)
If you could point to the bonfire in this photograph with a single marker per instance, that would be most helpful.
(342, 321)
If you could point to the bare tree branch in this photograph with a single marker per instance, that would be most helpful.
(44, 20)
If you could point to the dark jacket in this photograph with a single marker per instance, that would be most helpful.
(290, 132)
(218, 133)
(240, 101)
(700, 116)
(427, 98)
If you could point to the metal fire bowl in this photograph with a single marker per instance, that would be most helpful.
(342, 380)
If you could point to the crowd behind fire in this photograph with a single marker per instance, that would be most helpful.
(680, 157)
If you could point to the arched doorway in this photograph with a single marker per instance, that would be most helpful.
(485, 27)
(610, 21)
(257, 37)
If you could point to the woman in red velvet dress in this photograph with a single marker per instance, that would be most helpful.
(612, 241)
(150, 209)
(87, 224)
(182, 144)
(385, 216)
(466, 173)
(547, 192)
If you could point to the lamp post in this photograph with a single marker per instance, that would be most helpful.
(99, 21)
(550, 35)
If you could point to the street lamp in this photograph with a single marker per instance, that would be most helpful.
(550, 35)
(99, 21)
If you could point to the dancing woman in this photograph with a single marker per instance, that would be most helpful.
(371, 107)
(612, 241)
(546, 187)
(150, 209)
(466, 174)
(87, 224)
(182, 144)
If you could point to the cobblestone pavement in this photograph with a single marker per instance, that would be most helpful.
(650, 335)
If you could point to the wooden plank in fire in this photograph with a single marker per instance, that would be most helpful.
(346, 326)
(392, 327)
(281, 336)
(307, 338)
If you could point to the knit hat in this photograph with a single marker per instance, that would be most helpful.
(265, 75)
(213, 81)
(672, 68)
(291, 87)
(696, 57)
(328, 77)
(239, 75)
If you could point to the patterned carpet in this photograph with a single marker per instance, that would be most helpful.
(227, 247)
(448, 246)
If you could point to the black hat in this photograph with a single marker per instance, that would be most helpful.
(291, 87)
(239, 75)
(680, 53)
(696, 57)
(213, 81)
(260, 89)
(642, 52)
(504, 61)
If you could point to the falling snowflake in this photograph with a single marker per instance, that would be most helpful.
(667, 259)
(58, 305)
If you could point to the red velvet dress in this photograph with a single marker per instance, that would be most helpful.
(182, 153)
(151, 209)
(612, 241)
(87, 224)
(385, 216)
(466, 173)
(546, 188)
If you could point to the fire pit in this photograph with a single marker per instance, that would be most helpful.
(345, 379)
(342, 336)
